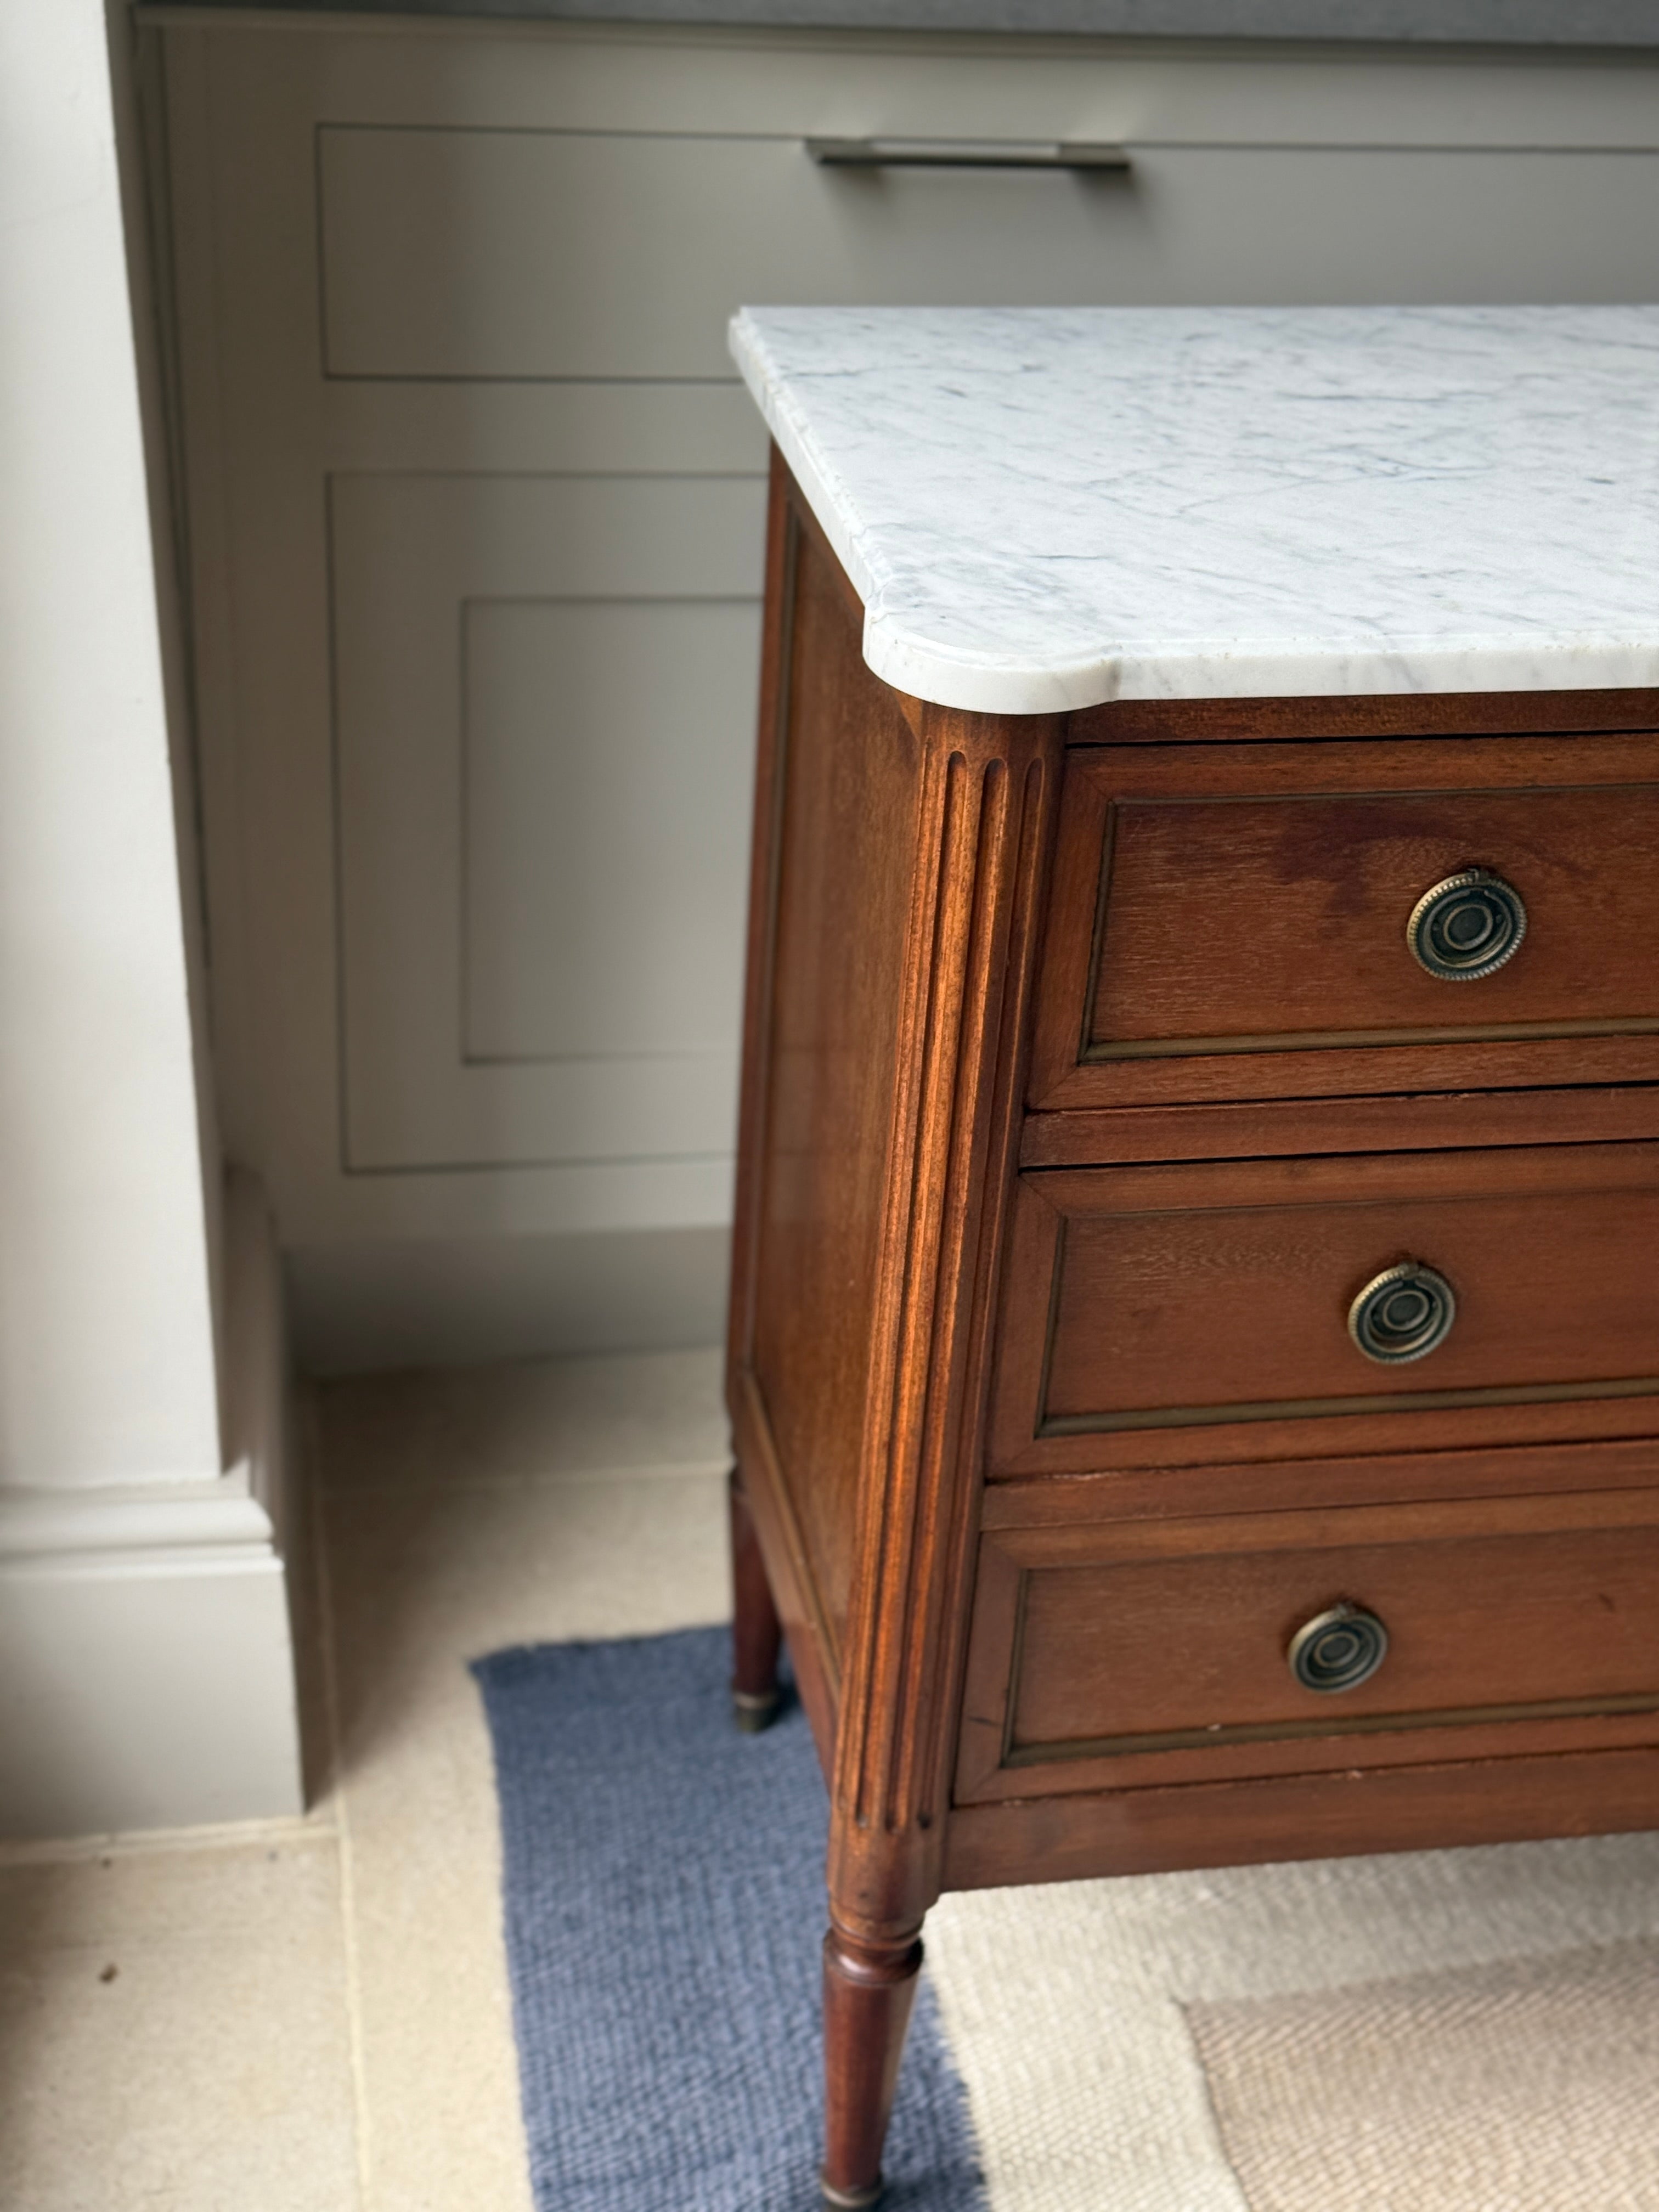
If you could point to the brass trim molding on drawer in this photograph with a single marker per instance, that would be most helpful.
(1455, 1121)
(1213, 1738)
(1241, 921)
(1306, 1409)
(1346, 1483)
(1203, 1311)
(1369, 1040)
(1411, 715)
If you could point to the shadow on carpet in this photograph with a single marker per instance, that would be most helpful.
(664, 1910)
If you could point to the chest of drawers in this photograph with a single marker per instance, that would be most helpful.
(1194, 1355)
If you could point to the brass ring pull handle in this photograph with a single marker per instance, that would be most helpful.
(1466, 926)
(1338, 1649)
(1403, 1314)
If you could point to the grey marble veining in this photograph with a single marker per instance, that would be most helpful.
(1429, 22)
(1043, 509)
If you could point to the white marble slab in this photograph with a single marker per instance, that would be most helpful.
(1043, 509)
(1468, 22)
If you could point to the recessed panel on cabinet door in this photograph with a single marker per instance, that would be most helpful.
(604, 861)
(1231, 921)
(1208, 1313)
(560, 253)
(1155, 1652)
(528, 252)
(545, 733)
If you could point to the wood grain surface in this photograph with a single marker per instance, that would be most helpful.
(1574, 1114)
(1218, 908)
(1147, 1306)
(1357, 1808)
(1150, 1653)
(1393, 714)
(835, 916)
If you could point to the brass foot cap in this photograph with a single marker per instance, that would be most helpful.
(851, 2200)
(755, 1710)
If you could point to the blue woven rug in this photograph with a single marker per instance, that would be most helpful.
(664, 1910)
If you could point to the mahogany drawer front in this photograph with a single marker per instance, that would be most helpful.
(1230, 921)
(1150, 1653)
(1174, 1315)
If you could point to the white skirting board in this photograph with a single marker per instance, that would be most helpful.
(146, 1656)
(455, 1301)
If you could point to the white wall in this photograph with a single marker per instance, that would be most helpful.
(145, 1675)
(107, 1352)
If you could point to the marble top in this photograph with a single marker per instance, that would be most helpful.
(1437, 22)
(1043, 509)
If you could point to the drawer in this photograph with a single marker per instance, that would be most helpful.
(1141, 1654)
(1171, 1314)
(464, 249)
(594, 254)
(1232, 921)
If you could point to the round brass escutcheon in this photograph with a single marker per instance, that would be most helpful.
(1403, 1314)
(1466, 926)
(1338, 1649)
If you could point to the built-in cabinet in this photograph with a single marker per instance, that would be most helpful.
(475, 514)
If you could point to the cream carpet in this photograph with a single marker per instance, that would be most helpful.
(1470, 2031)
(1531, 2086)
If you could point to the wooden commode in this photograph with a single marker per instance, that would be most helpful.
(1194, 1353)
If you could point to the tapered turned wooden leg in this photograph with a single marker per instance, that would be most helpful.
(868, 1992)
(756, 1633)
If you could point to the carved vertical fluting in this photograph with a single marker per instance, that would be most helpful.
(988, 794)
